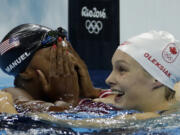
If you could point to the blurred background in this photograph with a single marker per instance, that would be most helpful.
(96, 27)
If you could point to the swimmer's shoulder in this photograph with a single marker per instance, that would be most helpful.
(6, 103)
(17, 92)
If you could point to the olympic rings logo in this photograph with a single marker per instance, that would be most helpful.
(93, 26)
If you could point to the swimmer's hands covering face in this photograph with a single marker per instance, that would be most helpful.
(85, 83)
(62, 84)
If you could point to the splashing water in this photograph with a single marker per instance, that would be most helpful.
(76, 124)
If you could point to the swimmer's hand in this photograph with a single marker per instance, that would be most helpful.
(24, 106)
(177, 90)
(26, 103)
(97, 122)
(62, 84)
(85, 84)
(6, 103)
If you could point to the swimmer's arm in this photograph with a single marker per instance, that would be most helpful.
(25, 102)
(6, 103)
(140, 116)
(99, 122)
(18, 93)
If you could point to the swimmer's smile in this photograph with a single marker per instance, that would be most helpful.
(119, 93)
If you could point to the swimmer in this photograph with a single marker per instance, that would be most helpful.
(145, 73)
(145, 77)
(45, 78)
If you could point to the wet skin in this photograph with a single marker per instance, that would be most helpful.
(6, 103)
(137, 90)
(55, 80)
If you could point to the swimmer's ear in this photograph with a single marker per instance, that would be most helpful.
(43, 80)
(157, 84)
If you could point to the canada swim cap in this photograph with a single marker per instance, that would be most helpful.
(157, 53)
(19, 45)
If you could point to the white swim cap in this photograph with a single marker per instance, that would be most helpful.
(157, 53)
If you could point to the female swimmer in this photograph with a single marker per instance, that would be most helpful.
(145, 70)
(45, 78)
(145, 78)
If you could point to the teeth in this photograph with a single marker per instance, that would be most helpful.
(116, 91)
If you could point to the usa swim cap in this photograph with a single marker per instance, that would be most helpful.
(157, 53)
(20, 44)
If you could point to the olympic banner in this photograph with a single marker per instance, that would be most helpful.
(94, 30)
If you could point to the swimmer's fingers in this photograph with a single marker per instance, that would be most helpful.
(63, 61)
(177, 90)
(72, 71)
(67, 62)
(60, 57)
(43, 81)
(71, 48)
(72, 81)
(52, 68)
(72, 64)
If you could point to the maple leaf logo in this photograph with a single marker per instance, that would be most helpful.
(173, 50)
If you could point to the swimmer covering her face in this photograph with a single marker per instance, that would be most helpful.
(49, 74)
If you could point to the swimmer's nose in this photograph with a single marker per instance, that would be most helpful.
(111, 80)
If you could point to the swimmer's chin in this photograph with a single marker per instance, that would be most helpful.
(106, 100)
(119, 94)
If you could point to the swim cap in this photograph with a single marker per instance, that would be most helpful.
(157, 53)
(20, 44)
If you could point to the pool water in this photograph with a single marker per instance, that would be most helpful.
(24, 124)
(108, 125)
